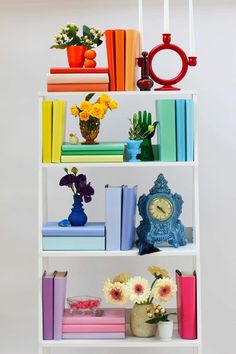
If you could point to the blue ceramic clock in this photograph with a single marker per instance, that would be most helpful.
(160, 211)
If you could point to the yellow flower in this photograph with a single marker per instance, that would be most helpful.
(122, 278)
(74, 111)
(156, 271)
(85, 105)
(84, 115)
(104, 99)
(104, 107)
(97, 111)
(113, 105)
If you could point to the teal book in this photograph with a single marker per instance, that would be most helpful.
(105, 146)
(52, 229)
(189, 130)
(165, 110)
(180, 130)
(92, 152)
(73, 243)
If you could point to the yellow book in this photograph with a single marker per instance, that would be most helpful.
(132, 49)
(58, 129)
(47, 131)
(92, 158)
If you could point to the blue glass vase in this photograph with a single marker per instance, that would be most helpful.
(134, 149)
(77, 216)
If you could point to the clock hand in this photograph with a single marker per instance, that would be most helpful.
(162, 210)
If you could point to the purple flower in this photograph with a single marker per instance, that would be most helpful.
(80, 182)
(86, 192)
(67, 180)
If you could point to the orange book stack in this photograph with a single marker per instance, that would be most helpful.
(77, 79)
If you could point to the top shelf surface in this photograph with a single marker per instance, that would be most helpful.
(175, 94)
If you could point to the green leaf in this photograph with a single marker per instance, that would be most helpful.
(86, 31)
(74, 170)
(59, 46)
(66, 170)
(152, 320)
(89, 96)
(99, 42)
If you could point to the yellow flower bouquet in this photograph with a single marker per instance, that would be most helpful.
(90, 115)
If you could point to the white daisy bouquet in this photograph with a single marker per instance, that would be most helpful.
(124, 288)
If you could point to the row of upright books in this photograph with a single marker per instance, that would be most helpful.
(116, 233)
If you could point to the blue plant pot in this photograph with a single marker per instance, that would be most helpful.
(134, 150)
(77, 216)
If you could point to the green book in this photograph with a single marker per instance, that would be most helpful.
(106, 146)
(94, 152)
(165, 110)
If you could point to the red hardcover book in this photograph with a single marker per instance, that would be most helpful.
(77, 87)
(120, 59)
(186, 305)
(58, 70)
(110, 45)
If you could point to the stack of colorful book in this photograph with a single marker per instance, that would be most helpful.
(111, 325)
(90, 237)
(102, 152)
(122, 50)
(77, 79)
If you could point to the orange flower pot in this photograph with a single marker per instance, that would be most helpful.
(75, 55)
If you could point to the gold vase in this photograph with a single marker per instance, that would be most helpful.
(138, 325)
(89, 130)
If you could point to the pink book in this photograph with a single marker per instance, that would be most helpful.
(92, 328)
(115, 335)
(110, 316)
(59, 302)
(186, 305)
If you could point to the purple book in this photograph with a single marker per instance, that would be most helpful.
(115, 335)
(113, 200)
(47, 302)
(129, 205)
(59, 302)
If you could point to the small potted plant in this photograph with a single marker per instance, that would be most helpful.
(80, 50)
(136, 136)
(82, 192)
(159, 315)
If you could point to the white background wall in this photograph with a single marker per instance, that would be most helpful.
(26, 31)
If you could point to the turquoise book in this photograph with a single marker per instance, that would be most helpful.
(180, 130)
(74, 243)
(104, 148)
(189, 130)
(52, 229)
(165, 111)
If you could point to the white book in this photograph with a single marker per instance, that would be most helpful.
(92, 78)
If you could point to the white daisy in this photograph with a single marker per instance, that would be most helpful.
(138, 289)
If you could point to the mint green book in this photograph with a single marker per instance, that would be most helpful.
(105, 146)
(92, 152)
(165, 110)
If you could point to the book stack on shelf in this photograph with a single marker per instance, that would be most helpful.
(122, 50)
(90, 237)
(78, 79)
(111, 325)
(102, 152)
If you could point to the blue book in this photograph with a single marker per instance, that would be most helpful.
(180, 130)
(129, 204)
(189, 130)
(73, 243)
(113, 200)
(90, 229)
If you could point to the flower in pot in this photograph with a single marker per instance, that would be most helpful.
(136, 135)
(80, 50)
(90, 114)
(124, 288)
(159, 315)
(82, 192)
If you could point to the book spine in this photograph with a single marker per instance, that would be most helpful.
(77, 87)
(113, 199)
(78, 70)
(186, 306)
(92, 158)
(77, 78)
(58, 129)
(47, 131)
(92, 152)
(73, 243)
(189, 130)
(180, 130)
(47, 302)
(89, 328)
(101, 147)
(89, 230)
(120, 59)
(131, 49)
(110, 47)
(59, 304)
(128, 217)
(114, 335)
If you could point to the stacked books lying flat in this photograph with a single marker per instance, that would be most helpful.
(111, 325)
(90, 237)
(77, 79)
(176, 129)
(103, 152)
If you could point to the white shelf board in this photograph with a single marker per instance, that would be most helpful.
(128, 342)
(188, 250)
(161, 94)
(122, 164)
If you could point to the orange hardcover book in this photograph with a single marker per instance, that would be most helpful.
(120, 59)
(58, 70)
(77, 87)
(131, 53)
(110, 46)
